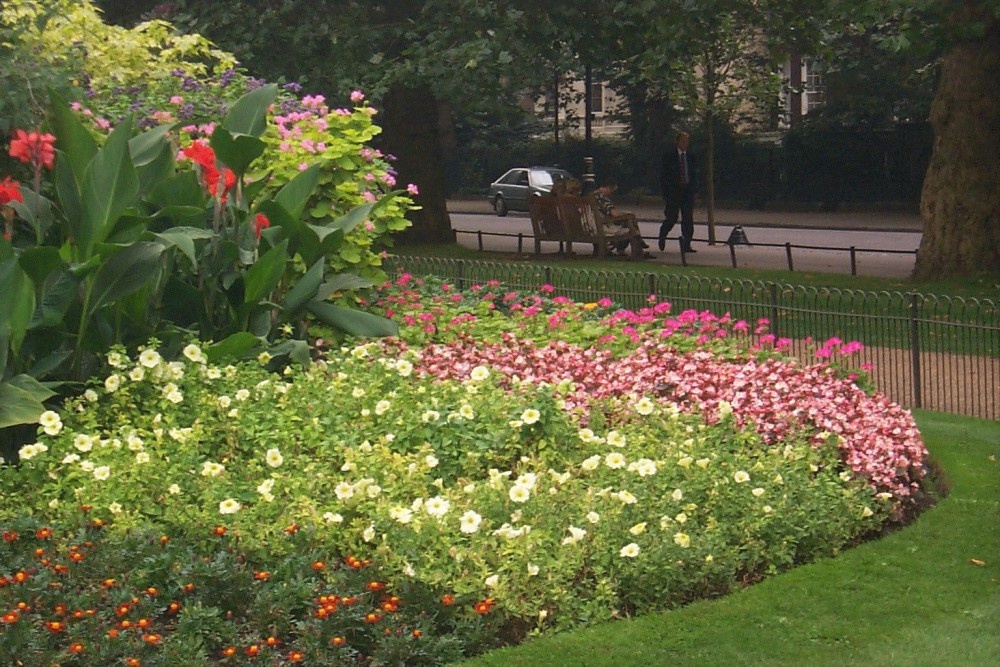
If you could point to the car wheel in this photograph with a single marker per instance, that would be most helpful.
(500, 206)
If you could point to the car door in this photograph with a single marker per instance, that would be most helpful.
(516, 190)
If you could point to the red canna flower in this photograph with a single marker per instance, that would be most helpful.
(34, 148)
(10, 190)
(260, 224)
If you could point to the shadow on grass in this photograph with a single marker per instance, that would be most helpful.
(928, 594)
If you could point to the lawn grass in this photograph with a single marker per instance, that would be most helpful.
(915, 597)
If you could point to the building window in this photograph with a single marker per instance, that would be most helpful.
(597, 98)
(812, 95)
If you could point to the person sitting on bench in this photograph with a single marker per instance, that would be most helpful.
(621, 226)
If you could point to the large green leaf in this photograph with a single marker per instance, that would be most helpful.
(16, 306)
(34, 210)
(182, 189)
(146, 147)
(110, 186)
(55, 296)
(304, 290)
(342, 282)
(123, 273)
(236, 151)
(184, 238)
(21, 401)
(248, 115)
(69, 196)
(295, 195)
(354, 322)
(265, 274)
(39, 261)
(283, 226)
(234, 347)
(76, 144)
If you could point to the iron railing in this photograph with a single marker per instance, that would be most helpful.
(934, 352)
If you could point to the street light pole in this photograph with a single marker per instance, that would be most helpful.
(588, 159)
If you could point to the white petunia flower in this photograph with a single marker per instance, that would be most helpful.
(677, 494)
(479, 373)
(533, 570)
(683, 540)
(470, 522)
(229, 506)
(112, 383)
(519, 494)
(141, 457)
(437, 506)
(343, 491)
(150, 358)
(115, 508)
(368, 534)
(758, 492)
(274, 458)
(90, 396)
(401, 514)
(242, 394)
(382, 407)
(331, 517)
(531, 416)
(616, 439)
(404, 367)
(492, 581)
(50, 422)
(591, 463)
(83, 443)
(212, 469)
(615, 460)
(638, 529)
(644, 406)
(630, 550)
(102, 473)
(174, 489)
(741, 476)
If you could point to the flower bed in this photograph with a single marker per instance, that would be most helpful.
(541, 462)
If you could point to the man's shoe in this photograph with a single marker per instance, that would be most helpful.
(662, 242)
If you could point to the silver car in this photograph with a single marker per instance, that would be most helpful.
(511, 191)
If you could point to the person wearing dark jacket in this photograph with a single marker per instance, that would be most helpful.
(677, 182)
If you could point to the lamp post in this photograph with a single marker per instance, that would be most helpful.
(588, 159)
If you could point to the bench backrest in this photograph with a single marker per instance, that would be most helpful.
(580, 215)
(545, 219)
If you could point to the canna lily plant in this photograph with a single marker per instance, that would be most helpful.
(144, 240)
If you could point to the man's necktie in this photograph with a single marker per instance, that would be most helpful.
(684, 169)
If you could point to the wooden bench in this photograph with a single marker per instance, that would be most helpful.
(568, 219)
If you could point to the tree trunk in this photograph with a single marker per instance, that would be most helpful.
(960, 202)
(410, 131)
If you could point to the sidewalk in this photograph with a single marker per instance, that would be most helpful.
(848, 220)
(855, 242)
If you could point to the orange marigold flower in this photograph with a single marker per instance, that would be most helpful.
(113, 633)
(132, 662)
(174, 607)
(108, 583)
(10, 536)
(375, 585)
(10, 617)
(319, 566)
(164, 539)
(261, 576)
(483, 607)
(152, 639)
(77, 557)
(447, 599)
(76, 648)
(21, 576)
(143, 623)
(372, 617)
(296, 656)
(122, 610)
(43, 533)
(272, 641)
(55, 626)
(253, 650)
(59, 568)
(219, 531)
(337, 641)
(98, 523)
(293, 528)
(152, 591)
(417, 634)
(189, 588)
(229, 651)
(59, 609)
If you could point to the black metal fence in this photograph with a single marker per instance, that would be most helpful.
(934, 352)
(851, 252)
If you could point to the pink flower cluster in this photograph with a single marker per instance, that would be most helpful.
(777, 397)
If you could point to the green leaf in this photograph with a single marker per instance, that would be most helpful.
(304, 290)
(16, 306)
(265, 274)
(55, 296)
(39, 261)
(248, 115)
(354, 322)
(294, 196)
(76, 144)
(21, 401)
(234, 347)
(110, 186)
(236, 151)
(146, 147)
(342, 282)
(123, 273)
(68, 194)
(181, 190)
(183, 238)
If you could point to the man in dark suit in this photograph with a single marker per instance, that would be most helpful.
(677, 181)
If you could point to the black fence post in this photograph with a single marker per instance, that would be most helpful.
(652, 283)
(460, 275)
(479, 235)
(854, 262)
(520, 243)
(915, 348)
(788, 254)
(774, 309)
(732, 254)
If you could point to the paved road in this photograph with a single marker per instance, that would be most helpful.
(884, 243)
